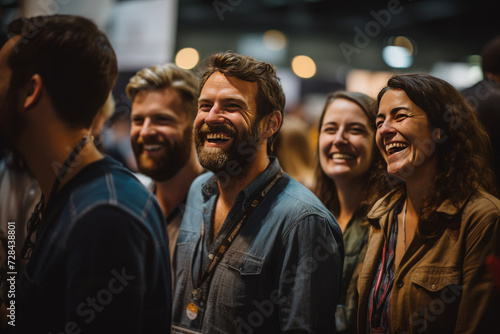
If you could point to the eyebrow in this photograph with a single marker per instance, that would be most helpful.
(226, 99)
(393, 111)
(155, 113)
(349, 124)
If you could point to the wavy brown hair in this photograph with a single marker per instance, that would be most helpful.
(165, 76)
(463, 153)
(270, 96)
(325, 187)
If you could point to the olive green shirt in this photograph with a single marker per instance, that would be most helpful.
(355, 240)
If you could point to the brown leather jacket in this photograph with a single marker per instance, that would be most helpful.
(443, 287)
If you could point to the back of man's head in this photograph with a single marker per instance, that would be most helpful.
(491, 57)
(75, 60)
(167, 76)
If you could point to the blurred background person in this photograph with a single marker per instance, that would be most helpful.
(294, 151)
(485, 96)
(425, 266)
(116, 139)
(348, 161)
(164, 106)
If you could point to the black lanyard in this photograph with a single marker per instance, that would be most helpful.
(230, 236)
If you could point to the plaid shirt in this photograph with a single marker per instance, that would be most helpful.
(379, 304)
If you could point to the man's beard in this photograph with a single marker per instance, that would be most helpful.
(12, 121)
(237, 157)
(166, 166)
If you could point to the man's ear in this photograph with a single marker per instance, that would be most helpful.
(33, 91)
(273, 123)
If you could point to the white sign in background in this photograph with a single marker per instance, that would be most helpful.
(142, 32)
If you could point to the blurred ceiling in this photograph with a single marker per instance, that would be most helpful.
(338, 35)
(441, 30)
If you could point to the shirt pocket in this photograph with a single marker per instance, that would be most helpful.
(434, 297)
(240, 282)
(245, 265)
(434, 279)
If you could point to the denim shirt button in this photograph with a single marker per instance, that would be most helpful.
(210, 256)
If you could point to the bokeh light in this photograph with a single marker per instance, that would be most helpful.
(399, 52)
(303, 66)
(274, 39)
(187, 58)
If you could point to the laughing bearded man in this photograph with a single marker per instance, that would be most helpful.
(257, 251)
(164, 105)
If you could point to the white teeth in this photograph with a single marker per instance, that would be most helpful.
(342, 156)
(393, 145)
(221, 136)
(152, 147)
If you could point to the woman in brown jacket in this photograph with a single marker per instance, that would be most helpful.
(425, 269)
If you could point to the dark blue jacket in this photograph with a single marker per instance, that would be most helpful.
(100, 262)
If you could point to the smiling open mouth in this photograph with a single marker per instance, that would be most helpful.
(218, 138)
(395, 147)
(343, 156)
(152, 147)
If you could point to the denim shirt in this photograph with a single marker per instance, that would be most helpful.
(282, 273)
(100, 262)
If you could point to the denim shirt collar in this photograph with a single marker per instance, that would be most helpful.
(210, 188)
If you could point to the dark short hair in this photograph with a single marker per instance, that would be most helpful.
(167, 76)
(463, 162)
(75, 60)
(270, 96)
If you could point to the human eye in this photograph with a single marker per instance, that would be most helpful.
(357, 130)
(379, 122)
(329, 129)
(232, 106)
(205, 107)
(400, 116)
(137, 120)
(161, 119)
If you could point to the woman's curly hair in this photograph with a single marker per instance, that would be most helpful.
(463, 151)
